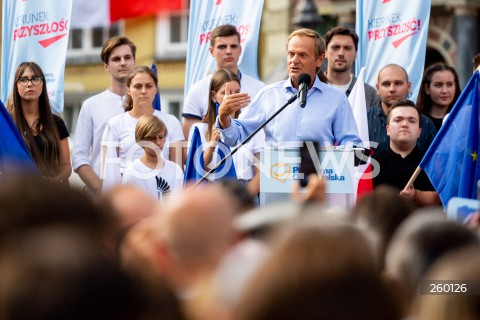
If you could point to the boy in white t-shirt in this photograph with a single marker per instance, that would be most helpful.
(151, 172)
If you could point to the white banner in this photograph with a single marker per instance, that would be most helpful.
(90, 14)
(36, 31)
(246, 15)
(393, 31)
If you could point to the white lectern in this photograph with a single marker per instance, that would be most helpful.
(280, 168)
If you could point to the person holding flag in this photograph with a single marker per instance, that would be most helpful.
(44, 133)
(401, 157)
(118, 56)
(224, 83)
(226, 49)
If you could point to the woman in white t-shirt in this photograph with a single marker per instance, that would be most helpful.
(151, 172)
(225, 83)
(118, 141)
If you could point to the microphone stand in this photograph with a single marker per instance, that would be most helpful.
(241, 144)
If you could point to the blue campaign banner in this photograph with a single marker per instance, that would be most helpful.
(204, 17)
(392, 31)
(36, 31)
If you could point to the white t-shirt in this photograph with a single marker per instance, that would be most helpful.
(196, 101)
(120, 133)
(242, 159)
(343, 87)
(93, 117)
(160, 184)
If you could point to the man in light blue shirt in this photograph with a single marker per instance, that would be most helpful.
(327, 116)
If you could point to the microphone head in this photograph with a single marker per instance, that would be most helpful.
(304, 78)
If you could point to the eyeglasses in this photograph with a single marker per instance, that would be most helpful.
(24, 81)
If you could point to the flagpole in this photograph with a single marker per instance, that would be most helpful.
(412, 179)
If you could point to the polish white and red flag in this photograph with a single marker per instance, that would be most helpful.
(357, 102)
(101, 13)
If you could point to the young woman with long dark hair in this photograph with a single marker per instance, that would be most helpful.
(44, 132)
(438, 92)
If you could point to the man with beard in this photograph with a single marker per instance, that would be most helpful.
(341, 52)
(392, 86)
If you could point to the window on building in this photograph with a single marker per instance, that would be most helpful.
(75, 41)
(178, 29)
(172, 103)
(175, 25)
(70, 116)
(87, 42)
(174, 108)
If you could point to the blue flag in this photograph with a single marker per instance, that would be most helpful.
(156, 102)
(14, 154)
(451, 162)
(195, 166)
(226, 170)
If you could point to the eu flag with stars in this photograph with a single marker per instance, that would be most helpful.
(14, 154)
(451, 162)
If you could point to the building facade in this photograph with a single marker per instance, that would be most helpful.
(453, 38)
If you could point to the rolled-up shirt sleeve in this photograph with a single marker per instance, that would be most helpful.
(228, 135)
(251, 118)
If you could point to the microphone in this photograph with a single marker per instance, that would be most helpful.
(304, 81)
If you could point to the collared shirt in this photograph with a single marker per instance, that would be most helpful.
(377, 131)
(326, 118)
(397, 171)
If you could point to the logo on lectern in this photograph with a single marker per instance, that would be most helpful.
(280, 171)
